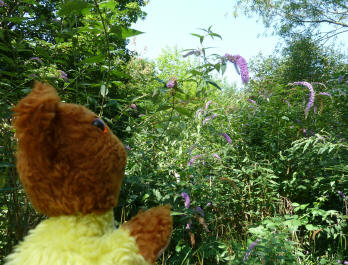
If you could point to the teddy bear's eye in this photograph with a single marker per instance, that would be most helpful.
(100, 124)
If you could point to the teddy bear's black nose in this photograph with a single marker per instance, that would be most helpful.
(99, 123)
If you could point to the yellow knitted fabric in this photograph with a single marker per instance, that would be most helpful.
(77, 240)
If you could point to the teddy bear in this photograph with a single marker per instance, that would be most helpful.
(71, 166)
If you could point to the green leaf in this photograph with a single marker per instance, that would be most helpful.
(73, 7)
(176, 213)
(157, 194)
(201, 38)
(126, 33)
(311, 227)
(110, 4)
(215, 35)
(214, 84)
(223, 68)
(103, 90)
(163, 107)
(183, 111)
(94, 59)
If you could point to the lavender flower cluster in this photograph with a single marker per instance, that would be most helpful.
(241, 63)
(172, 82)
(310, 102)
(311, 95)
(250, 249)
(198, 209)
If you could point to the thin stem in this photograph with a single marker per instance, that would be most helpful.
(108, 55)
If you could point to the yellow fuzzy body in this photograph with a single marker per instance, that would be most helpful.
(77, 240)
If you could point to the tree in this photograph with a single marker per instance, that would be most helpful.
(327, 18)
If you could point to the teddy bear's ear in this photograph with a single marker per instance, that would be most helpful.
(34, 113)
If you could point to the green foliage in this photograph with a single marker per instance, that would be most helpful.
(79, 47)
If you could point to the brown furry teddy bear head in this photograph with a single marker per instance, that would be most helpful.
(68, 159)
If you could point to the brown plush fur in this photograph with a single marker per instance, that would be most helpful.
(155, 226)
(66, 164)
(69, 166)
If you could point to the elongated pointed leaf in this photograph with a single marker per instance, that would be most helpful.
(213, 84)
(127, 33)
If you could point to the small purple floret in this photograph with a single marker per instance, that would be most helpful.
(212, 117)
(36, 59)
(200, 211)
(341, 194)
(2, 3)
(193, 159)
(207, 104)
(64, 76)
(187, 199)
(252, 101)
(325, 94)
(172, 83)
(227, 137)
(217, 156)
(133, 106)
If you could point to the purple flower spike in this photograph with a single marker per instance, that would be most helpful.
(200, 211)
(345, 262)
(207, 104)
(187, 199)
(241, 63)
(172, 82)
(243, 66)
(36, 59)
(325, 94)
(64, 76)
(227, 137)
(341, 194)
(191, 149)
(193, 159)
(311, 96)
(217, 156)
(251, 247)
(2, 3)
(209, 118)
(340, 79)
(252, 101)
